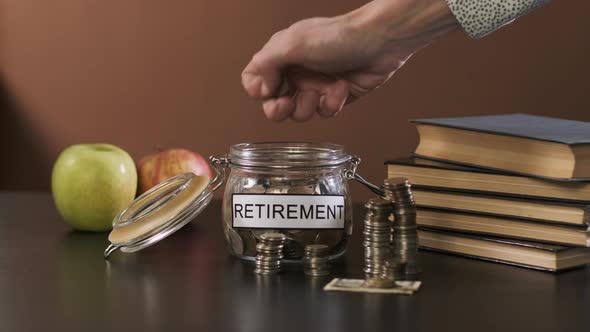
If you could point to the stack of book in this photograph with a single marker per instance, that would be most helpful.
(507, 188)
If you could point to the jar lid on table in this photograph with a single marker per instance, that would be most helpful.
(159, 212)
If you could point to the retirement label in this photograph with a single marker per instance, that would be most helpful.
(288, 211)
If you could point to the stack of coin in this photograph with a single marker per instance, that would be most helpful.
(405, 236)
(393, 269)
(269, 252)
(379, 282)
(315, 260)
(377, 235)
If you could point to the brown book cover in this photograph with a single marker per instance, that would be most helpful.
(503, 227)
(535, 255)
(512, 207)
(424, 173)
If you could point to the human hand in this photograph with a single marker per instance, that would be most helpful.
(328, 62)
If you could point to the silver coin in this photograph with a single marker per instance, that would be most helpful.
(307, 237)
(268, 266)
(248, 241)
(256, 190)
(316, 273)
(305, 189)
(380, 283)
(295, 233)
(236, 242)
(257, 233)
(278, 190)
(317, 249)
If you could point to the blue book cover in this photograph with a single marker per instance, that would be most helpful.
(543, 128)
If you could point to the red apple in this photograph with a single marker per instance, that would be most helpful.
(165, 164)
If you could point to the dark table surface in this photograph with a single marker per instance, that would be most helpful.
(53, 279)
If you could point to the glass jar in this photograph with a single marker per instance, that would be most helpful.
(298, 189)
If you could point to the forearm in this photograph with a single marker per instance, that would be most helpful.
(418, 22)
(480, 17)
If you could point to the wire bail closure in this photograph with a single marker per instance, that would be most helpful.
(219, 165)
(351, 174)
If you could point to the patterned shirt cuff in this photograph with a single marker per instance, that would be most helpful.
(480, 17)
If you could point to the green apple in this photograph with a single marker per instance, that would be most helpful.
(91, 184)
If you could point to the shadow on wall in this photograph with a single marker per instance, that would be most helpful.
(18, 142)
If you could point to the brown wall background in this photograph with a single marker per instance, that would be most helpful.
(147, 73)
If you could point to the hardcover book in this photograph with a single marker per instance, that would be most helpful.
(503, 227)
(439, 175)
(521, 143)
(528, 209)
(515, 252)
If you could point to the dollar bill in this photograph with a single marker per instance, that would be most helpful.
(360, 285)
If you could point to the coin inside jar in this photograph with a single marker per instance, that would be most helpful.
(273, 237)
(237, 245)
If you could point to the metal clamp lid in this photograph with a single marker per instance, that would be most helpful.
(163, 210)
(351, 174)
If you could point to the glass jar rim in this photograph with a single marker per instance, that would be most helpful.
(288, 155)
